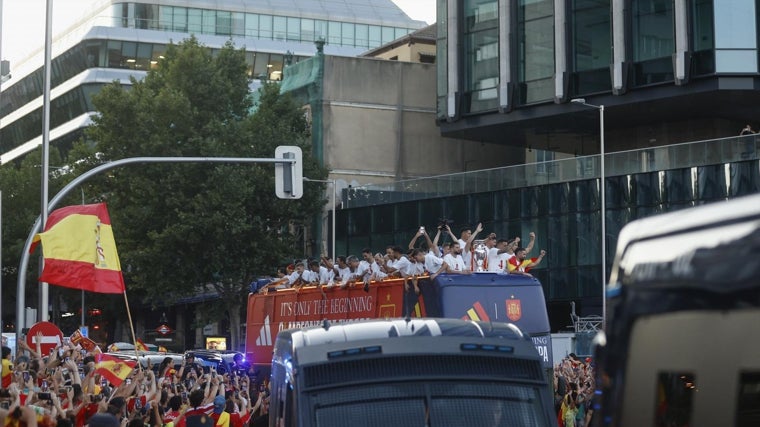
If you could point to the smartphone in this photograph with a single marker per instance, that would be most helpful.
(184, 395)
(60, 352)
(43, 395)
(128, 381)
(44, 386)
(26, 376)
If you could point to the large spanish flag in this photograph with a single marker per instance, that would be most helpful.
(112, 368)
(80, 251)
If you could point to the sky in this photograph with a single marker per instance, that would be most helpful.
(23, 23)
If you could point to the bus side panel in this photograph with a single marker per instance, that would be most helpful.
(268, 314)
(502, 300)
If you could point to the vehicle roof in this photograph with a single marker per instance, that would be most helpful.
(385, 328)
(486, 279)
(683, 248)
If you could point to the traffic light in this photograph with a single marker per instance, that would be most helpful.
(288, 177)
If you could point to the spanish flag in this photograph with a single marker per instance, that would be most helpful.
(112, 368)
(80, 251)
(140, 345)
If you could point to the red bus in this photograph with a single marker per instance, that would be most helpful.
(478, 296)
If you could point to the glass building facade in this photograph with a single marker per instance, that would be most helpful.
(509, 54)
(526, 73)
(261, 26)
(133, 36)
(560, 204)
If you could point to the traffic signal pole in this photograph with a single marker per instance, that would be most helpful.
(294, 164)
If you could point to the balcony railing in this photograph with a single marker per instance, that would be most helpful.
(676, 156)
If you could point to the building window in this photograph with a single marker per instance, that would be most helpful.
(194, 21)
(703, 38)
(544, 162)
(591, 47)
(481, 35)
(653, 41)
(535, 40)
(736, 37)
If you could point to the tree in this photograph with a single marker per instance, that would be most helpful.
(184, 228)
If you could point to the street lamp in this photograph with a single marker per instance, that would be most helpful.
(603, 203)
(334, 203)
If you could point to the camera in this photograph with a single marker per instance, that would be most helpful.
(444, 222)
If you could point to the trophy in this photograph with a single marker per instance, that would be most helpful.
(480, 253)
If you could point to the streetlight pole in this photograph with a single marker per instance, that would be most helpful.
(334, 206)
(603, 202)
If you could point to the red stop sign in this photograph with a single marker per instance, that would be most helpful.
(51, 336)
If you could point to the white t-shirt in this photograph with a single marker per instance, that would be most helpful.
(401, 264)
(455, 263)
(497, 262)
(432, 263)
(414, 269)
(344, 273)
(294, 276)
(466, 255)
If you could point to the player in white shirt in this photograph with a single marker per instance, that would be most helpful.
(320, 275)
(454, 260)
(498, 256)
(297, 277)
(414, 268)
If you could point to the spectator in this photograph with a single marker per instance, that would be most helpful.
(220, 415)
(747, 131)
(519, 264)
(7, 370)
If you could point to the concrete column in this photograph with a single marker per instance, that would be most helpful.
(505, 57)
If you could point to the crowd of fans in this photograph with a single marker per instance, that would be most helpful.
(573, 391)
(67, 389)
(423, 256)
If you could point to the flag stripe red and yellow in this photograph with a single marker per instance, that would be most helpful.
(112, 368)
(140, 345)
(80, 251)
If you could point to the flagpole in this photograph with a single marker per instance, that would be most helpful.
(132, 329)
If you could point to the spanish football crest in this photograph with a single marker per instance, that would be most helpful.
(514, 309)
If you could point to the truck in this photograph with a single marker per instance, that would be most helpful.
(682, 340)
(482, 297)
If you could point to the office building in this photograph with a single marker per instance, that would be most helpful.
(117, 40)
(678, 81)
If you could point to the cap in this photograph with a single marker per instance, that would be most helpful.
(219, 403)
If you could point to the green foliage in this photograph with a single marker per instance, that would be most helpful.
(181, 228)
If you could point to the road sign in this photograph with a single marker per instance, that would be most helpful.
(50, 338)
(164, 329)
(288, 177)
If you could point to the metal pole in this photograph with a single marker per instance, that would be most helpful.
(37, 227)
(2, 323)
(44, 288)
(602, 189)
(334, 203)
(335, 212)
